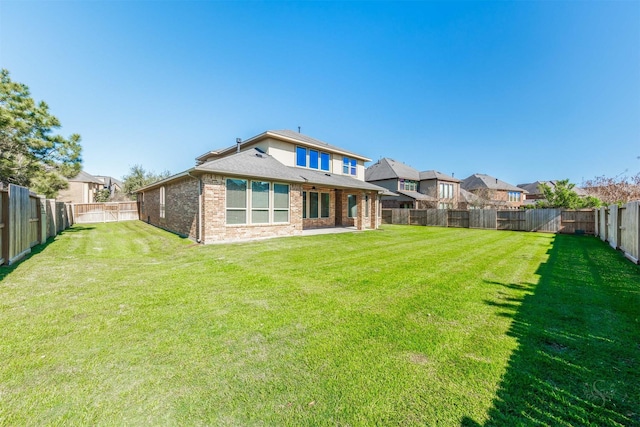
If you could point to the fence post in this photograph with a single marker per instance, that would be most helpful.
(4, 219)
(44, 226)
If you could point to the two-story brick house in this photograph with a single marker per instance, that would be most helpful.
(491, 192)
(277, 183)
(413, 189)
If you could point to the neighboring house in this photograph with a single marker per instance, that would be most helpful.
(110, 183)
(534, 190)
(277, 183)
(413, 189)
(492, 192)
(82, 189)
(444, 188)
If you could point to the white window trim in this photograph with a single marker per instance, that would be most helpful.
(163, 205)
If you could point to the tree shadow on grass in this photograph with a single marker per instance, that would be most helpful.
(6, 270)
(578, 331)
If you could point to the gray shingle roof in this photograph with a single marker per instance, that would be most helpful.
(390, 169)
(534, 187)
(417, 196)
(85, 177)
(108, 180)
(467, 196)
(251, 163)
(333, 180)
(433, 174)
(480, 180)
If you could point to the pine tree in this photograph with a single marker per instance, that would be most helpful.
(31, 155)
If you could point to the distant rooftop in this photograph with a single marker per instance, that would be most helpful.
(479, 180)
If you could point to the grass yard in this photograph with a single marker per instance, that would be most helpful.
(127, 324)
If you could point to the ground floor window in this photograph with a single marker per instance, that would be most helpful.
(352, 207)
(366, 206)
(162, 202)
(315, 204)
(265, 201)
(280, 203)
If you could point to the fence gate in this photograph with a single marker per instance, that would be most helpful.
(84, 213)
(111, 213)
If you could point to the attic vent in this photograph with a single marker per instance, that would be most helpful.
(327, 174)
(259, 155)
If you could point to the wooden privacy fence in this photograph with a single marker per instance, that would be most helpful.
(620, 227)
(27, 220)
(544, 220)
(84, 213)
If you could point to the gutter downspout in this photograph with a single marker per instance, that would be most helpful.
(199, 238)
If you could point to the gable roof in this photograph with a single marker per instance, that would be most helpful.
(433, 174)
(109, 180)
(85, 177)
(534, 187)
(387, 168)
(283, 135)
(479, 180)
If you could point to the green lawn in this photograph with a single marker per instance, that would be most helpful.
(126, 324)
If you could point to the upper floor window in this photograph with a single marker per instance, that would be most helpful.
(325, 160)
(349, 166)
(445, 191)
(408, 185)
(313, 159)
(301, 157)
(515, 196)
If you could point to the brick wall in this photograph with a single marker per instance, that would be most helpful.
(216, 230)
(362, 220)
(181, 207)
(321, 222)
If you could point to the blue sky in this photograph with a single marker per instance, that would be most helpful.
(522, 91)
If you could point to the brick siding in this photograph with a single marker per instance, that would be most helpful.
(181, 211)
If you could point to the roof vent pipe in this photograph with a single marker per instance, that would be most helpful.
(238, 142)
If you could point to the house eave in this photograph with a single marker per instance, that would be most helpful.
(166, 180)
